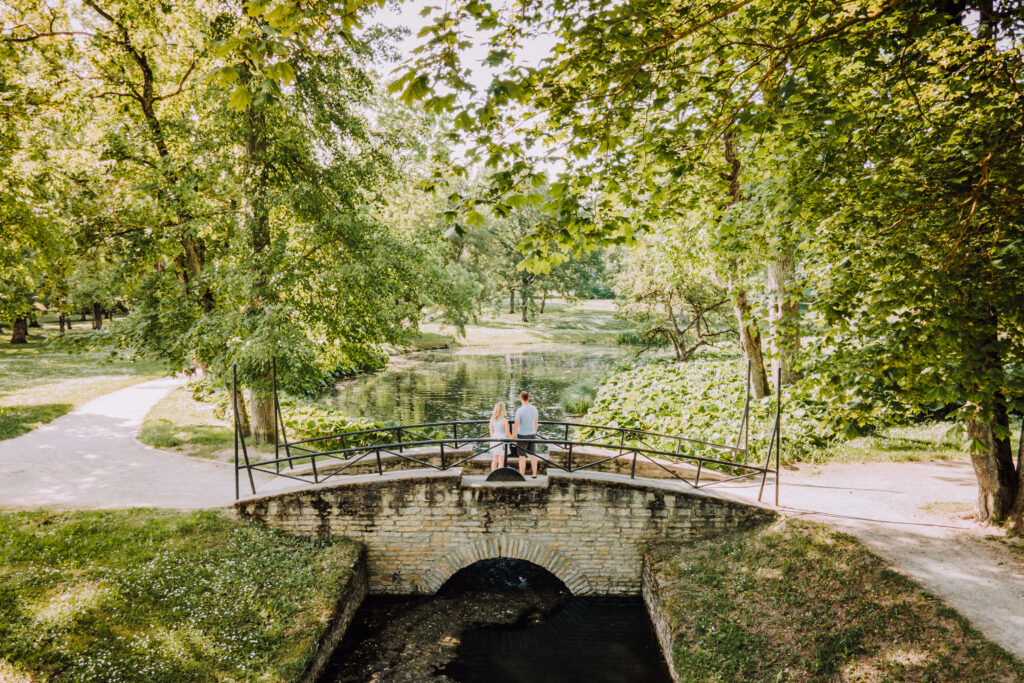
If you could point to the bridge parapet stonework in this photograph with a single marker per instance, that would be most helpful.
(420, 527)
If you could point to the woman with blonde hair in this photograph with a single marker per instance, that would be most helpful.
(498, 429)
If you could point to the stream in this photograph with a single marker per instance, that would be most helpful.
(500, 621)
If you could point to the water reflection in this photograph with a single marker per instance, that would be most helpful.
(436, 386)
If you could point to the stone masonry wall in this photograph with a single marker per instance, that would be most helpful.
(419, 528)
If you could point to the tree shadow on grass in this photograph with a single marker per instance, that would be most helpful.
(18, 420)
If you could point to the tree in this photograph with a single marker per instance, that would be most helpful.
(669, 296)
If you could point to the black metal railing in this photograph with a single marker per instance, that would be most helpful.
(441, 446)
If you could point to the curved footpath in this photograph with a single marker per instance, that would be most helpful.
(911, 514)
(90, 458)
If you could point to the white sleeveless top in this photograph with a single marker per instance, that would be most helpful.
(499, 429)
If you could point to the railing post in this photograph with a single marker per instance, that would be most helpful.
(238, 433)
(696, 482)
(745, 420)
(778, 428)
(622, 439)
(234, 413)
(444, 465)
(380, 469)
(400, 440)
(632, 472)
(316, 476)
(570, 457)
(277, 413)
(455, 435)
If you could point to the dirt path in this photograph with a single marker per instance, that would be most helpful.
(916, 516)
(90, 458)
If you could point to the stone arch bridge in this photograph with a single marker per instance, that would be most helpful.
(587, 528)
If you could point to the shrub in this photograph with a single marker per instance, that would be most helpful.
(703, 399)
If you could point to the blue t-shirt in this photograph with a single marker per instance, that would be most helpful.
(527, 416)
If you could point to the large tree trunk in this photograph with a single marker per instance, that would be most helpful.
(97, 316)
(993, 466)
(263, 418)
(750, 335)
(61, 321)
(522, 306)
(512, 301)
(784, 315)
(20, 333)
(750, 343)
(993, 461)
(543, 300)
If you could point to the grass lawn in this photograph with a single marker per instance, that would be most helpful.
(586, 322)
(904, 443)
(182, 424)
(798, 602)
(42, 380)
(161, 596)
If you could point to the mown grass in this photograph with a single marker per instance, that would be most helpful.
(148, 595)
(799, 602)
(45, 379)
(182, 424)
(905, 443)
(585, 322)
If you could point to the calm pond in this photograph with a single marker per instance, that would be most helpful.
(464, 384)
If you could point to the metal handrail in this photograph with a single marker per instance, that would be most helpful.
(299, 451)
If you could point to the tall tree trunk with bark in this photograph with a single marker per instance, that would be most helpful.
(61, 321)
(543, 300)
(993, 466)
(749, 334)
(992, 455)
(20, 333)
(784, 315)
(97, 316)
(512, 301)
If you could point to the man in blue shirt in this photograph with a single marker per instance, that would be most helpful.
(524, 430)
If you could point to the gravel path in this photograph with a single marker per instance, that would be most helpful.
(90, 458)
(917, 516)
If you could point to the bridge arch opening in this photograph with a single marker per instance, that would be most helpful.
(503, 574)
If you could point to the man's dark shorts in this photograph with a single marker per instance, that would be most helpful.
(526, 443)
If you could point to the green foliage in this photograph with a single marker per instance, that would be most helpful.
(577, 399)
(798, 601)
(704, 399)
(163, 596)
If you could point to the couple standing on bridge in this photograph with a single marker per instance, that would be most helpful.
(523, 432)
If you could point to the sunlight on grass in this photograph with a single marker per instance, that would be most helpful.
(182, 424)
(813, 604)
(162, 596)
(928, 441)
(43, 379)
(26, 409)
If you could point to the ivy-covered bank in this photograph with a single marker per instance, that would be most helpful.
(703, 399)
(162, 596)
(799, 602)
